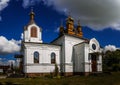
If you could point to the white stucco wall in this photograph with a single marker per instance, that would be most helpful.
(78, 58)
(99, 63)
(67, 42)
(40, 68)
(45, 51)
(70, 41)
(87, 62)
(61, 41)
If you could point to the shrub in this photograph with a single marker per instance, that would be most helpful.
(115, 67)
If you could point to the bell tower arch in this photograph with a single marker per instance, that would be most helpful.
(32, 32)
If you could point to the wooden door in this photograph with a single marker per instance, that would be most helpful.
(94, 63)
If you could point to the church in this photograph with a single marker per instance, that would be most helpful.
(70, 51)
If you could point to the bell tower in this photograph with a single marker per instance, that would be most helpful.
(32, 32)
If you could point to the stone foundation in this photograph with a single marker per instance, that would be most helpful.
(36, 74)
(68, 74)
(82, 73)
(87, 73)
(46, 74)
(63, 74)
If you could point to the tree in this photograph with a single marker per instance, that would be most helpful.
(111, 61)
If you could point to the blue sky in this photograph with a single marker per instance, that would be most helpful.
(99, 19)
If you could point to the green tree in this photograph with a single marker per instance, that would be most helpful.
(111, 61)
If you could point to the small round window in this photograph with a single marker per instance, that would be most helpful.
(93, 46)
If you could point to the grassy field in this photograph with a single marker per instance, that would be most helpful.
(103, 79)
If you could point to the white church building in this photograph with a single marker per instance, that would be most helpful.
(72, 53)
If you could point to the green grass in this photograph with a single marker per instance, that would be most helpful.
(113, 79)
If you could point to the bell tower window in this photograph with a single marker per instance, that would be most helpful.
(33, 32)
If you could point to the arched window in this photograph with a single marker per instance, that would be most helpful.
(33, 32)
(53, 58)
(36, 57)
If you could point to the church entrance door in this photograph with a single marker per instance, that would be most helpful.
(94, 62)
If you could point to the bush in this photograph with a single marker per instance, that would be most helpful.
(116, 67)
(56, 72)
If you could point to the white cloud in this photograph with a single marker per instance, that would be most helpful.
(110, 48)
(8, 46)
(1, 63)
(97, 14)
(27, 3)
(4, 61)
(3, 5)
(18, 62)
(11, 62)
(17, 42)
(57, 29)
(21, 36)
(0, 18)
